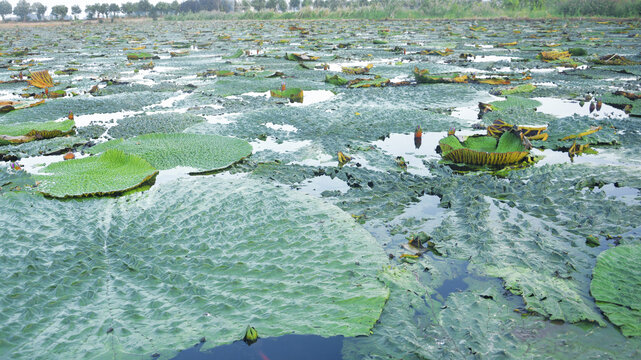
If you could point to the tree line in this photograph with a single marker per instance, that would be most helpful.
(620, 8)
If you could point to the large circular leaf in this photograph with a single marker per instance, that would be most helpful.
(616, 287)
(113, 172)
(166, 151)
(156, 271)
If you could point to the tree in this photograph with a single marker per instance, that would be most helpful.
(271, 4)
(114, 9)
(59, 11)
(91, 11)
(294, 4)
(175, 7)
(128, 8)
(258, 5)
(306, 3)
(22, 10)
(103, 9)
(163, 8)
(143, 7)
(282, 5)
(5, 9)
(75, 10)
(39, 9)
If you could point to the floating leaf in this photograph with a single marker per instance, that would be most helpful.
(141, 56)
(484, 150)
(445, 52)
(553, 55)
(6, 106)
(422, 76)
(112, 272)
(614, 59)
(616, 287)
(113, 172)
(531, 132)
(30, 131)
(336, 80)
(515, 102)
(300, 57)
(357, 70)
(493, 81)
(365, 83)
(166, 151)
(523, 88)
(179, 53)
(577, 52)
(235, 55)
(293, 94)
(41, 79)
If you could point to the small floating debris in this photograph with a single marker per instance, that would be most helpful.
(251, 335)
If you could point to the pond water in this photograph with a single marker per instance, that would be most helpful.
(288, 239)
(286, 347)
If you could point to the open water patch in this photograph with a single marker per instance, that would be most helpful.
(323, 184)
(286, 347)
(414, 152)
(275, 145)
(564, 108)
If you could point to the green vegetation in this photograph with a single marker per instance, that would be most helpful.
(616, 287)
(293, 94)
(105, 262)
(484, 150)
(30, 131)
(166, 151)
(334, 9)
(27, 127)
(481, 261)
(113, 172)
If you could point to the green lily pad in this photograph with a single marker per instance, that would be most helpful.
(336, 80)
(616, 287)
(141, 56)
(166, 151)
(423, 76)
(522, 281)
(300, 57)
(523, 88)
(515, 102)
(577, 52)
(484, 150)
(113, 172)
(235, 55)
(125, 278)
(365, 83)
(293, 94)
(29, 131)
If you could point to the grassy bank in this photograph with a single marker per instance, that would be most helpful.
(469, 10)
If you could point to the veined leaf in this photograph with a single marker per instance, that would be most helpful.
(616, 287)
(29, 131)
(113, 172)
(41, 79)
(111, 272)
(166, 151)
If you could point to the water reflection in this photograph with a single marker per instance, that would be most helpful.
(286, 347)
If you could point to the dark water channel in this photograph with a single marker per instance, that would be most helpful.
(286, 347)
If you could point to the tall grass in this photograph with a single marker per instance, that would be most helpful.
(432, 9)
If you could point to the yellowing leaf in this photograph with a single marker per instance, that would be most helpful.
(41, 79)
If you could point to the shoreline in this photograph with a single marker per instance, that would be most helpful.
(15, 24)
